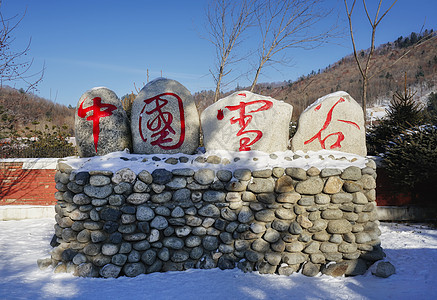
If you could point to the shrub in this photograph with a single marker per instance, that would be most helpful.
(411, 160)
(403, 113)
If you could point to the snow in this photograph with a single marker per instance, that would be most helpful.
(253, 160)
(411, 249)
(34, 163)
(321, 99)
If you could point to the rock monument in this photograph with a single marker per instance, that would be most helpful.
(246, 121)
(101, 124)
(164, 119)
(333, 122)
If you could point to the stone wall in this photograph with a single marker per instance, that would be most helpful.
(277, 220)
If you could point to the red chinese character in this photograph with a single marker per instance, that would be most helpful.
(340, 135)
(97, 113)
(245, 119)
(161, 124)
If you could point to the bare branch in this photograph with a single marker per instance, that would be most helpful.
(288, 24)
(227, 21)
(14, 65)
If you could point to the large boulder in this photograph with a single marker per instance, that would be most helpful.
(333, 122)
(246, 121)
(164, 119)
(101, 124)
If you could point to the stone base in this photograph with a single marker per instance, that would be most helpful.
(275, 220)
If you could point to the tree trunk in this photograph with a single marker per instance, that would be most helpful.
(256, 78)
(365, 100)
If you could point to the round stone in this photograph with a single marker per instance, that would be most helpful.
(210, 243)
(110, 271)
(351, 173)
(99, 180)
(339, 226)
(134, 269)
(204, 176)
(311, 186)
(159, 223)
(161, 176)
(145, 177)
(138, 198)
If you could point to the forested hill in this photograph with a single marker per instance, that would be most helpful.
(21, 112)
(420, 66)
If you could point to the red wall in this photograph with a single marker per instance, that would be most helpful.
(29, 186)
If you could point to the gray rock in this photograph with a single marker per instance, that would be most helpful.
(173, 243)
(261, 185)
(225, 263)
(384, 269)
(262, 173)
(164, 119)
(351, 173)
(209, 211)
(224, 175)
(119, 259)
(296, 173)
(214, 196)
(109, 249)
(110, 271)
(177, 183)
(134, 256)
(159, 223)
(110, 214)
(339, 226)
(101, 125)
(311, 186)
(271, 235)
(145, 177)
(183, 172)
(293, 258)
(223, 129)
(210, 243)
(99, 180)
(204, 176)
(245, 215)
(86, 270)
(196, 253)
(162, 198)
(265, 215)
(161, 176)
(124, 188)
(98, 191)
(134, 269)
(310, 269)
(79, 258)
(148, 257)
(124, 175)
(179, 256)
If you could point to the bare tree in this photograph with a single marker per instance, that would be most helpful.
(288, 24)
(364, 66)
(227, 21)
(14, 64)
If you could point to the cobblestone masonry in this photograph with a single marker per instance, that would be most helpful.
(278, 220)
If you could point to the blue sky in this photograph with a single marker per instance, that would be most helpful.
(88, 43)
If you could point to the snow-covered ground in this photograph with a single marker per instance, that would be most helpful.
(411, 249)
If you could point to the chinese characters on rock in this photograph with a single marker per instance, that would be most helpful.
(161, 122)
(98, 110)
(244, 119)
(328, 120)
